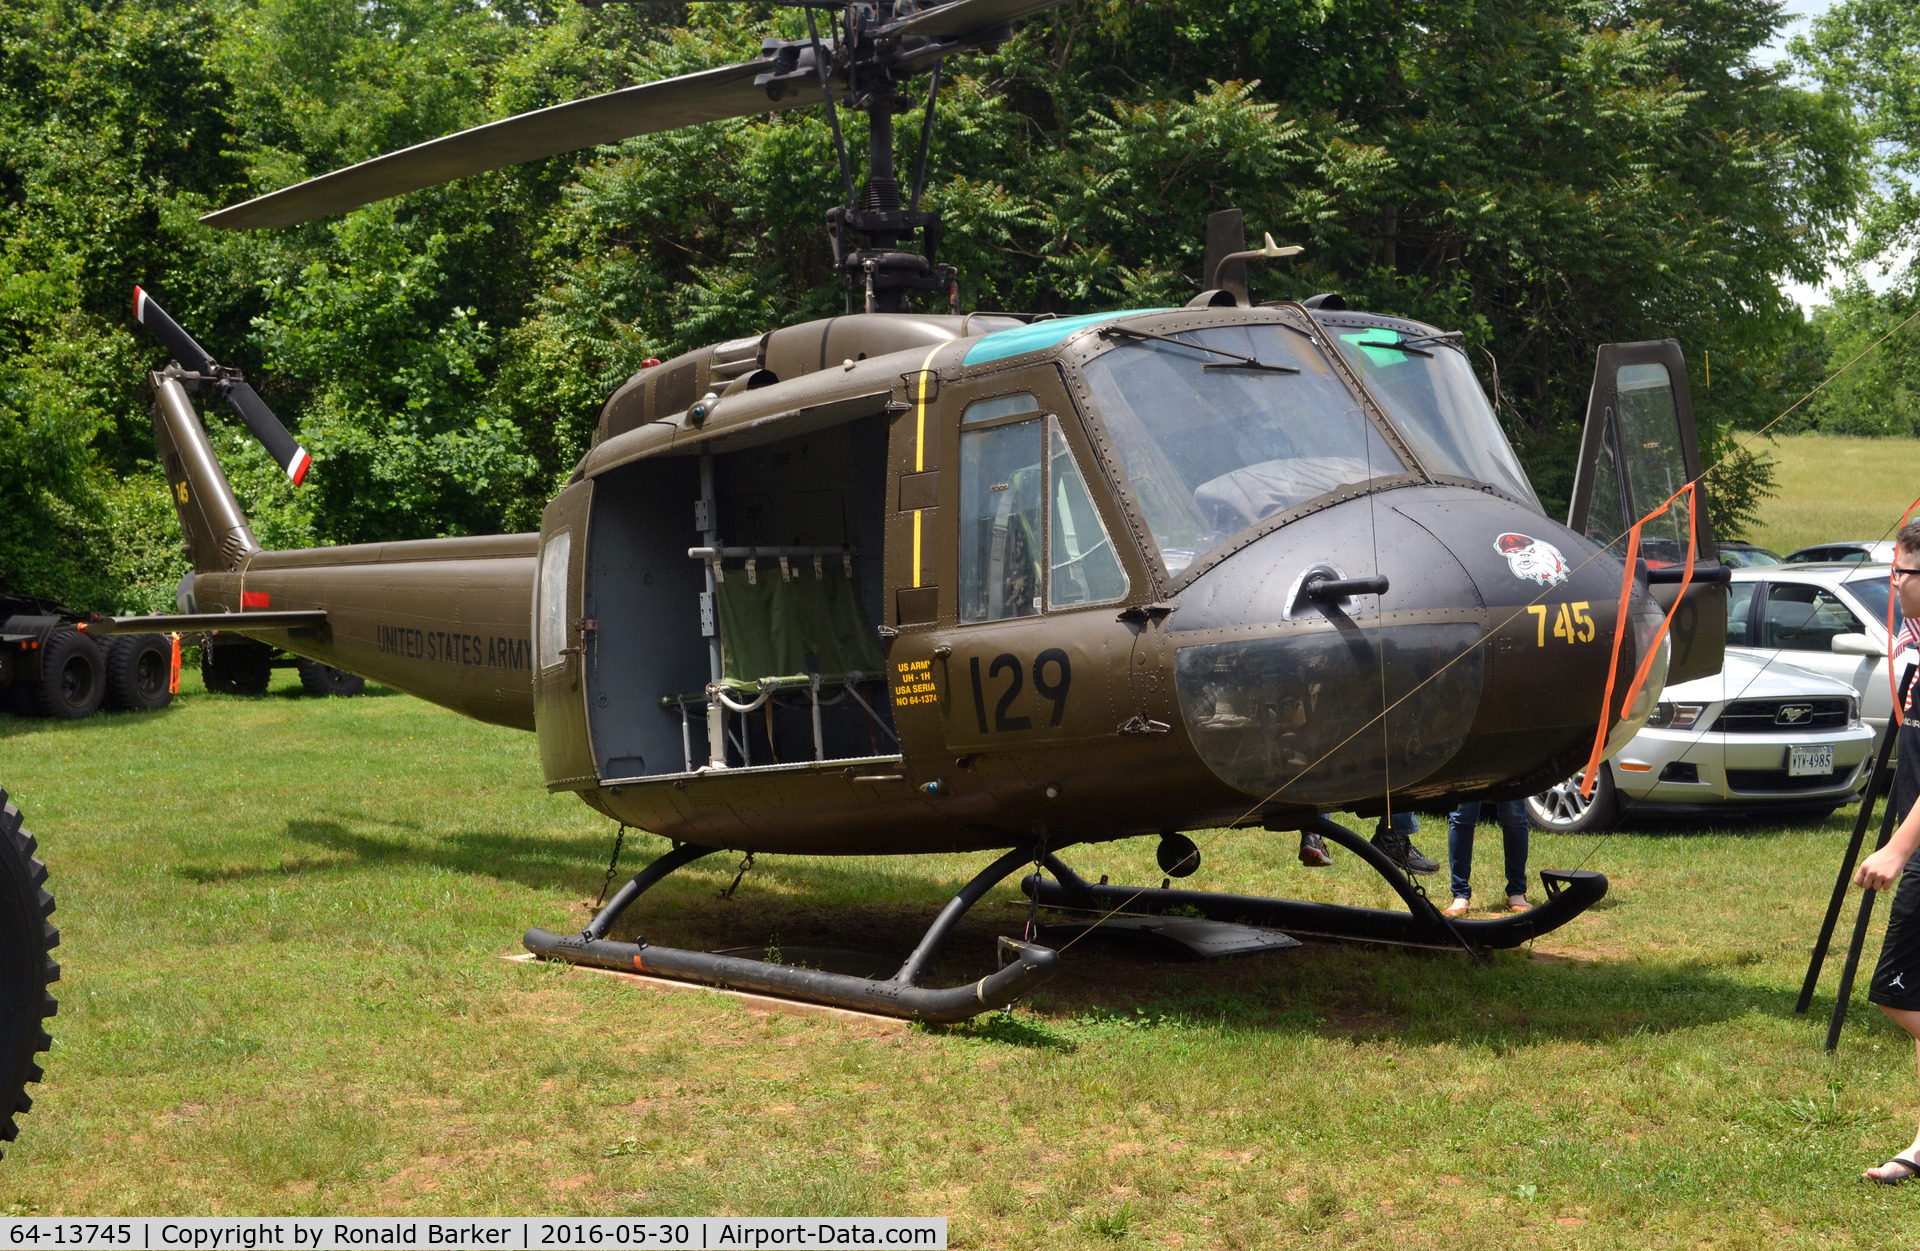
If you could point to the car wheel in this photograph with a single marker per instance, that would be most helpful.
(319, 679)
(1564, 810)
(139, 671)
(72, 677)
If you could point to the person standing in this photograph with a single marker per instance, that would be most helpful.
(1895, 988)
(1513, 838)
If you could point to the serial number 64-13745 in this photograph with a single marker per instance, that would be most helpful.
(69, 1233)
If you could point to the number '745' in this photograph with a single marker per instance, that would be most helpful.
(1572, 622)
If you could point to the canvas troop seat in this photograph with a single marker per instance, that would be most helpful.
(798, 627)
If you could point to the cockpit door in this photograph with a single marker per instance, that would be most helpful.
(1639, 448)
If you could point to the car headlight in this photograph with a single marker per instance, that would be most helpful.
(1671, 716)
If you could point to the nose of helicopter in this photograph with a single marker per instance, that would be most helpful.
(1488, 652)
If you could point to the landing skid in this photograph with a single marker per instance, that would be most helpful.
(1569, 893)
(1024, 966)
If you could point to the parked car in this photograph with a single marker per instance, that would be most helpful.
(1746, 555)
(1757, 738)
(1864, 551)
(1831, 619)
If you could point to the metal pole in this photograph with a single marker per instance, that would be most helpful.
(710, 537)
(1859, 930)
(1840, 883)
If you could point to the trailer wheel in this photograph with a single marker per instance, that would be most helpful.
(138, 669)
(27, 940)
(73, 677)
(237, 668)
(322, 679)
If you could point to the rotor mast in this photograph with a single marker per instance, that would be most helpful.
(882, 274)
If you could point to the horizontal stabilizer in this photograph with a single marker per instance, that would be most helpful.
(198, 622)
(708, 96)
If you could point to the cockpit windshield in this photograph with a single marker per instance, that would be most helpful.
(1227, 427)
(1430, 392)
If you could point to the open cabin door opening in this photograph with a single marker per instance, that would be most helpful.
(733, 596)
(1638, 449)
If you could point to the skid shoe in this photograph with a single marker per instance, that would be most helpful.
(1023, 966)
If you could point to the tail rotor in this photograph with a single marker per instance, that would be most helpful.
(198, 366)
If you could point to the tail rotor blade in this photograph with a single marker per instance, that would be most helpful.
(273, 436)
(147, 311)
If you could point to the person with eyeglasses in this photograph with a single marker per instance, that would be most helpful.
(1896, 979)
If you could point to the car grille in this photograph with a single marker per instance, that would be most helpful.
(1775, 781)
(1770, 716)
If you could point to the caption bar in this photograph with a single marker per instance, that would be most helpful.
(517, 1233)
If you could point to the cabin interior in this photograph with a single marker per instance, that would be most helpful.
(648, 659)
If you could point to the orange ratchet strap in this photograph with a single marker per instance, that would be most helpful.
(1620, 620)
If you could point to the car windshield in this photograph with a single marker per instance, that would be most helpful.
(1873, 593)
(1431, 393)
(1747, 557)
(1213, 442)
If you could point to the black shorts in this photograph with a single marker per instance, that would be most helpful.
(1896, 979)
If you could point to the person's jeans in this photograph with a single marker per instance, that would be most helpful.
(1513, 839)
(1404, 822)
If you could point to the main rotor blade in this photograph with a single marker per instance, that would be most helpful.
(707, 96)
(964, 17)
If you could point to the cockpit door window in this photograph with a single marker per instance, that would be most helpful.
(1638, 450)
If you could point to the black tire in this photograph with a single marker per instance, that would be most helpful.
(139, 667)
(322, 679)
(73, 676)
(1561, 810)
(237, 668)
(27, 940)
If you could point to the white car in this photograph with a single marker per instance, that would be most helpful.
(1857, 552)
(1831, 619)
(1757, 737)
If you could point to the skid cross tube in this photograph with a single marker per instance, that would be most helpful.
(1568, 895)
(1024, 966)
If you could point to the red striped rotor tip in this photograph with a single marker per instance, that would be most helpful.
(297, 468)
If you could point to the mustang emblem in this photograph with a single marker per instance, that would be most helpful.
(1536, 560)
(1793, 714)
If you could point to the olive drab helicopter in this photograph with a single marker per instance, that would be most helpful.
(906, 581)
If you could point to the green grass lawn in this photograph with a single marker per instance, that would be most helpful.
(1832, 488)
(283, 922)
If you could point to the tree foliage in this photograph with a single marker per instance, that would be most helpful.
(1868, 52)
(1545, 175)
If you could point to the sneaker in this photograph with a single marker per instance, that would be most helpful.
(1518, 903)
(1402, 852)
(1458, 908)
(1313, 851)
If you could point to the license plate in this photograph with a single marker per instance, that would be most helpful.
(1809, 761)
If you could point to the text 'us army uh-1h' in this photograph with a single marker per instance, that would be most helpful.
(902, 582)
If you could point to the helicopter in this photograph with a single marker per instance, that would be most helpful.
(902, 582)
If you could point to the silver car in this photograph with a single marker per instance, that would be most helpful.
(1757, 737)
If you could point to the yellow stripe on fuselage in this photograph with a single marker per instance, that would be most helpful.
(920, 453)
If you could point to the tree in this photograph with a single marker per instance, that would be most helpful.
(1868, 52)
